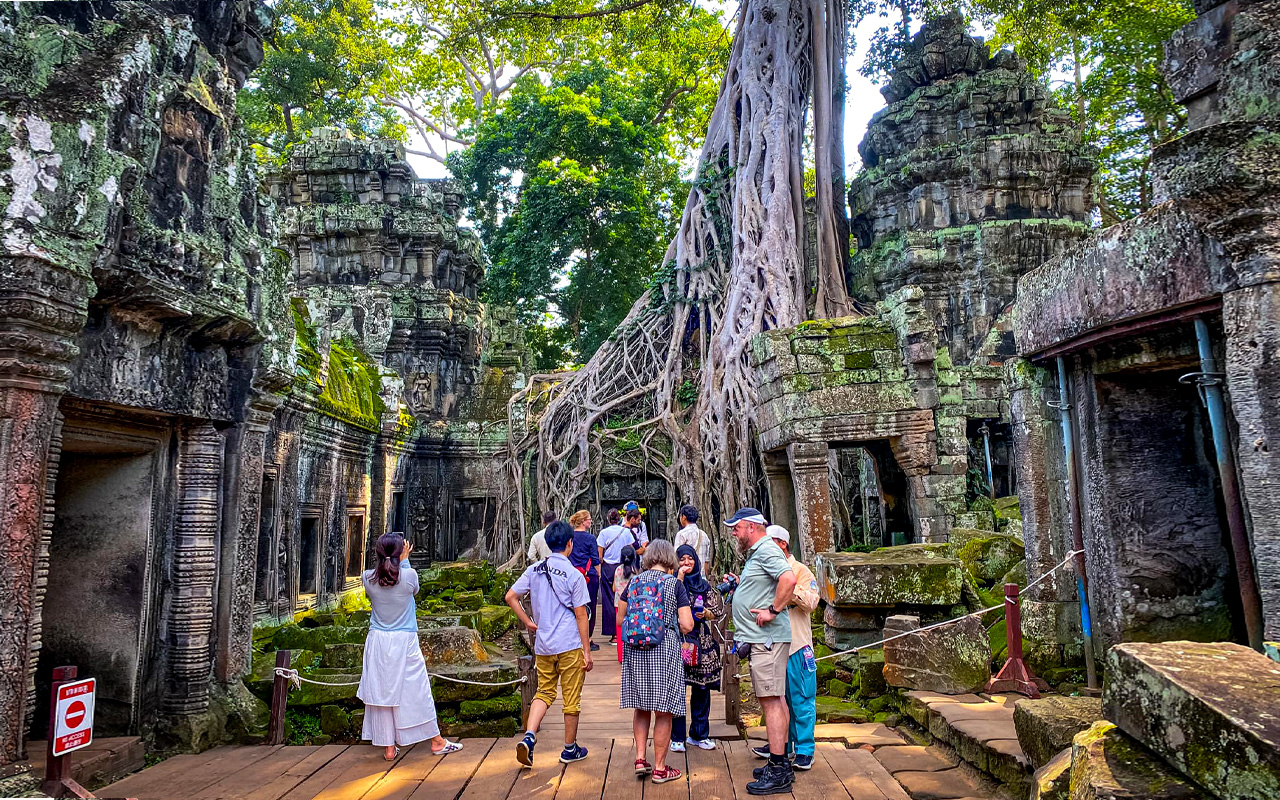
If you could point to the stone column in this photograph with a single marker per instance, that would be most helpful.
(41, 309)
(1251, 327)
(195, 568)
(782, 493)
(811, 477)
(240, 526)
(42, 565)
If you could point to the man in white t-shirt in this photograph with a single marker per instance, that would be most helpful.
(538, 550)
(695, 537)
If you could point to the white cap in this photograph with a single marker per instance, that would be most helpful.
(778, 532)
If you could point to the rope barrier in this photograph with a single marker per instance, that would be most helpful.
(978, 613)
(297, 680)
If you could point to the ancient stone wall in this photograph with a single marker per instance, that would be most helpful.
(132, 277)
(1119, 313)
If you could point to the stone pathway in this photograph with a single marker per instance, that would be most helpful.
(980, 731)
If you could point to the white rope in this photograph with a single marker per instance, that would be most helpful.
(978, 613)
(297, 680)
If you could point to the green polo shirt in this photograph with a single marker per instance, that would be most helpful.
(757, 586)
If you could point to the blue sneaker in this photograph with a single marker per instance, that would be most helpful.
(572, 753)
(524, 749)
(802, 761)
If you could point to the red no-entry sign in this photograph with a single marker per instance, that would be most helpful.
(73, 717)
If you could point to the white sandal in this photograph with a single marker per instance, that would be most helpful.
(449, 747)
(393, 758)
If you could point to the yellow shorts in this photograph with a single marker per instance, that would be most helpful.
(570, 670)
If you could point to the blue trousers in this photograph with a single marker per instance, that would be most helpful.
(802, 693)
(699, 717)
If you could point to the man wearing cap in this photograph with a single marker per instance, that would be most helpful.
(764, 590)
(802, 667)
(642, 532)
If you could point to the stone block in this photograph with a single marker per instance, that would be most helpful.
(908, 574)
(1210, 710)
(988, 558)
(952, 659)
(1047, 726)
(500, 706)
(293, 637)
(454, 645)
(1108, 765)
(470, 600)
(1053, 780)
(495, 621)
(1007, 508)
(343, 655)
(838, 639)
(851, 619)
(445, 691)
(834, 709)
(335, 721)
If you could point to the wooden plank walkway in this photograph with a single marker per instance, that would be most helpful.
(486, 769)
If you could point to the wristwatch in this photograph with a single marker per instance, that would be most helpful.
(774, 611)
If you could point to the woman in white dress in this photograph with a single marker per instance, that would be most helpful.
(394, 686)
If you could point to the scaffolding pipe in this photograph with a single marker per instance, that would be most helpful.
(1069, 446)
(1210, 383)
(986, 444)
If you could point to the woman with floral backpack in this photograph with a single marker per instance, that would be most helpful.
(655, 614)
(700, 653)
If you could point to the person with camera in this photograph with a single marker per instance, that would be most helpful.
(764, 589)
(802, 666)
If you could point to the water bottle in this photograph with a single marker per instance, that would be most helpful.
(697, 606)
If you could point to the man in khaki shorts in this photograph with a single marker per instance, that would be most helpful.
(764, 589)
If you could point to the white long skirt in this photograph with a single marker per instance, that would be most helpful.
(396, 690)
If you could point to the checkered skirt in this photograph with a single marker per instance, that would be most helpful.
(653, 680)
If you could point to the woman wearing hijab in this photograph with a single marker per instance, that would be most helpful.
(395, 687)
(701, 669)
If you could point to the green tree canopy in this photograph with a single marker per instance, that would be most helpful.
(324, 63)
(576, 194)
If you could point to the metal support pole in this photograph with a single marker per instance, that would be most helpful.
(1015, 675)
(1210, 382)
(1071, 456)
(986, 444)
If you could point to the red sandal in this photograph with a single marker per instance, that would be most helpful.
(643, 768)
(667, 774)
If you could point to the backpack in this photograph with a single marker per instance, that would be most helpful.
(644, 625)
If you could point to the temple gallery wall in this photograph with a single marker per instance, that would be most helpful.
(219, 383)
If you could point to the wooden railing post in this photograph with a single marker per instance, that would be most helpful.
(732, 690)
(527, 689)
(279, 699)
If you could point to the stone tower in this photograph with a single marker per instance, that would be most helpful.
(971, 177)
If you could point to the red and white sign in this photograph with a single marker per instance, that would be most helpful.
(73, 728)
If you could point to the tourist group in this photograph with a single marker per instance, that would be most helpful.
(663, 615)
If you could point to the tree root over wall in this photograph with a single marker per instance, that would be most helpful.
(671, 392)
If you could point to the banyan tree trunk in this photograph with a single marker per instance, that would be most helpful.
(675, 374)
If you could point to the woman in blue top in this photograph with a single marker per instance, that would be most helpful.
(394, 686)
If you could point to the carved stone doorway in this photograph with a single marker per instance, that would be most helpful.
(98, 604)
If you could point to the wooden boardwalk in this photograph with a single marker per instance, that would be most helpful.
(486, 769)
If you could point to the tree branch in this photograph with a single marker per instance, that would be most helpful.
(419, 118)
(604, 12)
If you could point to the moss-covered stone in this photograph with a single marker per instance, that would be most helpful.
(907, 574)
(1047, 726)
(838, 688)
(343, 655)
(504, 705)
(1007, 508)
(293, 637)
(312, 694)
(988, 558)
(455, 645)
(335, 721)
(495, 621)
(834, 709)
(1108, 765)
(470, 600)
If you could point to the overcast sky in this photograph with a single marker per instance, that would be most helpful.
(862, 101)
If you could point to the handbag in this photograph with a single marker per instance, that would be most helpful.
(689, 653)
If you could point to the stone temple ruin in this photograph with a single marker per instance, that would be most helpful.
(219, 384)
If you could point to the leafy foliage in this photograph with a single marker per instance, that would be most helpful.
(324, 61)
(576, 193)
